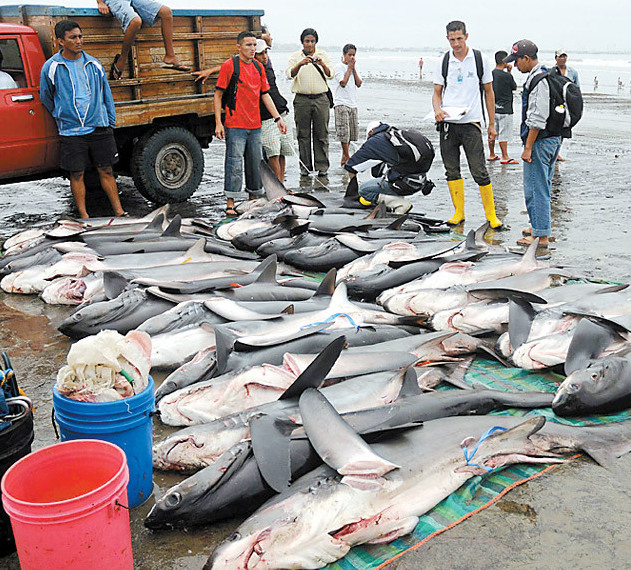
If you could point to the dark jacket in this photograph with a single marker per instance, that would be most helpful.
(279, 100)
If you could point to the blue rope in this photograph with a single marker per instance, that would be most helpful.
(468, 455)
(331, 318)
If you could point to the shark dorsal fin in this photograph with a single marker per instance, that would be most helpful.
(316, 372)
(327, 285)
(173, 229)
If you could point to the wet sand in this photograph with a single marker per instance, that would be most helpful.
(575, 516)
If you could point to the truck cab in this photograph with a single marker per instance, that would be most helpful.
(28, 145)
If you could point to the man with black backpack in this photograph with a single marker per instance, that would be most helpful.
(241, 87)
(543, 123)
(399, 160)
(463, 80)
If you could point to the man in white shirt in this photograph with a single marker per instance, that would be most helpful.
(347, 80)
(460, 80)
(6, 81)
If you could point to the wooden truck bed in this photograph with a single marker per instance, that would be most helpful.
(202, 38)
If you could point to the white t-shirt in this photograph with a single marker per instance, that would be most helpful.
(463, 85)
(6, 81)
(346, 95)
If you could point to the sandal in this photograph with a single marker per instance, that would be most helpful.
(115, 73)
(526, 232)
(529, 240)
(231, 213)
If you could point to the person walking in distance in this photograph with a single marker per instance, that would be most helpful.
(463, 79)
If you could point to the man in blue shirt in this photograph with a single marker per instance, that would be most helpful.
(74, 89)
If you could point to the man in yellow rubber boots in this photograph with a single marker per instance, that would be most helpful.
(463, 86)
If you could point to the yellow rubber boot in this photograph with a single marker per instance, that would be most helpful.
(456, 189)
(486, 193)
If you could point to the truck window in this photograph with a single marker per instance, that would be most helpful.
(11, 65)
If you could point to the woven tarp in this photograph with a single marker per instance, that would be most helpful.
(481, 491)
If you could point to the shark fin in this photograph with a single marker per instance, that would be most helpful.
(347, 452)
(173, 229)
(270, 438)
(327, 285)
(316, 372)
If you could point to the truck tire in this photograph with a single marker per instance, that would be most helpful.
(167, 165)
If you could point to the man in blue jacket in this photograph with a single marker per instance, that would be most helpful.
(399, 161)
(74, 88)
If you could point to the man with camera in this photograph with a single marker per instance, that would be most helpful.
(310, 68)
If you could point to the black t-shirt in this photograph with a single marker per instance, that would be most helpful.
(503, 87)
(279, 100)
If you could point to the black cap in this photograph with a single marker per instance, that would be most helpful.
(520, 49)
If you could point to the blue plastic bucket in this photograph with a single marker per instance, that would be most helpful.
(126, 423)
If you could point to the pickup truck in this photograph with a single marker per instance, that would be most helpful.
(163, 117)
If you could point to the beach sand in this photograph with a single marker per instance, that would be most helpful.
(575, 516)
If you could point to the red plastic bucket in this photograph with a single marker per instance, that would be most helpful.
(67, 507)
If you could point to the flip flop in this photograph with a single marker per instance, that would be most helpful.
(231, 213)
(115, 73)
(509, 161)
(526, 232)
(178, 67)
(493, 158)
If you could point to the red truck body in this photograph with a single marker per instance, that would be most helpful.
(29, 133)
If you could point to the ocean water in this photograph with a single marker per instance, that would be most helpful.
(402, 65)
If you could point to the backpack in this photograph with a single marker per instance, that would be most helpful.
(566, 102)
(479, 66)
(415, 151)
(229, 96)
(416, 155)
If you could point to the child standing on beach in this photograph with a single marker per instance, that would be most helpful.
(130, 15)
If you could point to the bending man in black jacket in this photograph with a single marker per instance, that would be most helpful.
(399, 161)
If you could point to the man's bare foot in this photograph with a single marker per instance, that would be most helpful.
(560, 159)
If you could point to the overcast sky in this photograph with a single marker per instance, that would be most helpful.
(576, 25)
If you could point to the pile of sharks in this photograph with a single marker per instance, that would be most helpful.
(304, 342)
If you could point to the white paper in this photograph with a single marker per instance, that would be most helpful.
(451, 112)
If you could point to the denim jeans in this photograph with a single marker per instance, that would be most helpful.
(242, 145)
(538, 183)
(371, 189)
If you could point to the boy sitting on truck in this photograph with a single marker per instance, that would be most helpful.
(130, 15)
(74, 89)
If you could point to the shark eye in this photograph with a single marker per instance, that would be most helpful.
(234, 536)
(173, 499)
(594, 376)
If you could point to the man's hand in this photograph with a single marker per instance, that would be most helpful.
(219, 130)
(282, 127)
(439, 115)
(103, 7)
(492, 133)
(351, 62)
(202, 75)
(526, 155)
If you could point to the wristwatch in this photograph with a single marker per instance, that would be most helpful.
(277, 119)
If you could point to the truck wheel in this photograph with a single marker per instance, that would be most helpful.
(167, 165)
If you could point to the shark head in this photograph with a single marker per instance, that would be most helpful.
(598, 388)
(279, 535)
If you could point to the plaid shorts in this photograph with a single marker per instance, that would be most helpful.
(274, 143)
(346, 123)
